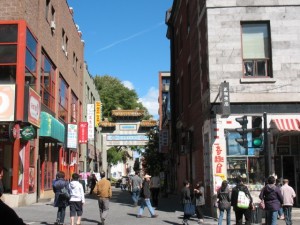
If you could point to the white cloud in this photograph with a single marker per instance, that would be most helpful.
(128, 84)
(150, 101)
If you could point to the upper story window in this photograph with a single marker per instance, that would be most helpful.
(256, 49)
(74, 108)
(31, 60)
(64, 42)
(8, 52)
(47, 82)
(47, 6)
(63, 99)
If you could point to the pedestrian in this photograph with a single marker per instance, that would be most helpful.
(199, 201)
(60, 200)
(104, 193)
(123, 183)
(8, 215)
(185, 199)
(93, 182)
(280, 211)
(224, 202)
(240, 212)
(136, 185)
(288, 194)
(145, 198)
(271, 194)
(155, 188)
(77, 199)
(82, 181)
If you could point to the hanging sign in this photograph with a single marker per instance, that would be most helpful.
(28, 133)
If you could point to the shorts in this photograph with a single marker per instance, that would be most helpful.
(75, 207)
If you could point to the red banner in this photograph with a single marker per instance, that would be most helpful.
(83, 132)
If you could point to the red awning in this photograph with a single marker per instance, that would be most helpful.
(286, 125)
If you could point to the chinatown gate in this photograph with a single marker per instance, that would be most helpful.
(127, 129)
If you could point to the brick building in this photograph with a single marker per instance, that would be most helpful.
(231, 59)
(41, 73)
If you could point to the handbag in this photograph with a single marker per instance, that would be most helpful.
(262, 204)
(65, 194)
(189, 209)
(243, 201)
(224, 205)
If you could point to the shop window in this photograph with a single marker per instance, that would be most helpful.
(256, 49)
(31, 60)
(8, 53)
(8, 74)
(234, 148)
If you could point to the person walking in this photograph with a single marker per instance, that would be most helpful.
(224, 198)
(239, 212)
(77, 199)
(155, 187)
(8, 215)
(288, 194)
(271, 194)
(199, 201)
(145, 197)
(60, 200)
(185, 198)
(280, 211)
(93, 182)
(104, 192)
(136, 185)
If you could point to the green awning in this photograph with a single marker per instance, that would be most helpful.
(51, 127)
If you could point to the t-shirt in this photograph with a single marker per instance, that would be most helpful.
(136, 181)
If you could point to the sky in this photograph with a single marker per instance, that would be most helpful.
(126, 39)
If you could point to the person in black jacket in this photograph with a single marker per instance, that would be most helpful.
(146, 195)
(8, 215)
(185, 198)
(224, 198)
(60, 200)
(234, 200)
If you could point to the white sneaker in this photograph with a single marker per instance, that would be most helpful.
(200, 221)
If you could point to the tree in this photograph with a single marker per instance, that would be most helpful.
(153, 160)
(116, 155)
(115, 95)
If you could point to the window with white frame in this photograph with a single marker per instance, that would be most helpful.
(256, 49)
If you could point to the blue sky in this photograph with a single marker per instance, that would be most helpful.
(126, 39)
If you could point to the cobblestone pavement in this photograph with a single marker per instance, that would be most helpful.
(121, 212)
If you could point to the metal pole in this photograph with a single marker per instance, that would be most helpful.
(266, 147)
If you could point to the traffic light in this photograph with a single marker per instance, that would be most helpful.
(257, 137)
(242, 131)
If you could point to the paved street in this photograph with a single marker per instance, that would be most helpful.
(121, 212)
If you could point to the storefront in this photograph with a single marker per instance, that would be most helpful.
(230, 159)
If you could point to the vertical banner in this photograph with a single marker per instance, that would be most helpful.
(91, 120)
(97, 113)
(224, 98)
(83, 133)
(72, 136)
(7, 102)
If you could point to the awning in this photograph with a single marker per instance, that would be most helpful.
(286, 125)
(51, 127)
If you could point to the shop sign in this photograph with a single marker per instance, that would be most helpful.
(98, 110)
(14, 131)
(91, 121)
(83, 133)
(219, 167)
(28, 133)
(34, 108)
(225, 100)
(7, 102)
(128, 127)
(72, 136)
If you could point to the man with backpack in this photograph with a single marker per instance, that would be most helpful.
(238, 192)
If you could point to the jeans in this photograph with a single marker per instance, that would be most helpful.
(280, 212)
(199, 211)
(271, 217)
(146, 202)
(135, 195)
(227, 216)
(61, 214)
(287, 210)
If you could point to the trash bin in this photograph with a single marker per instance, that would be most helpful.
(256, 215)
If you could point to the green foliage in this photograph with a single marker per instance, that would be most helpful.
(152, 159)
(117, 154)
(115, 95)
(136, 165)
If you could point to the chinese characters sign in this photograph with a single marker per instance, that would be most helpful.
(97, 113)
(72, 136)
(225, 100)
(90, 120)
(83, 132)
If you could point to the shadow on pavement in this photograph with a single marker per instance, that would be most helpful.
(90, 221)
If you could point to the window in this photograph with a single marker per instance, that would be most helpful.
(64, 42)
(47, 9)
(63, 99)
(256, 49)
(74, 108)
(75, 63)
(47, 82)
(8, 52)
(31, 60)
(52, 14)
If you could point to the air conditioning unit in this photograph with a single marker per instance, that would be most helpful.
(52, 25)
